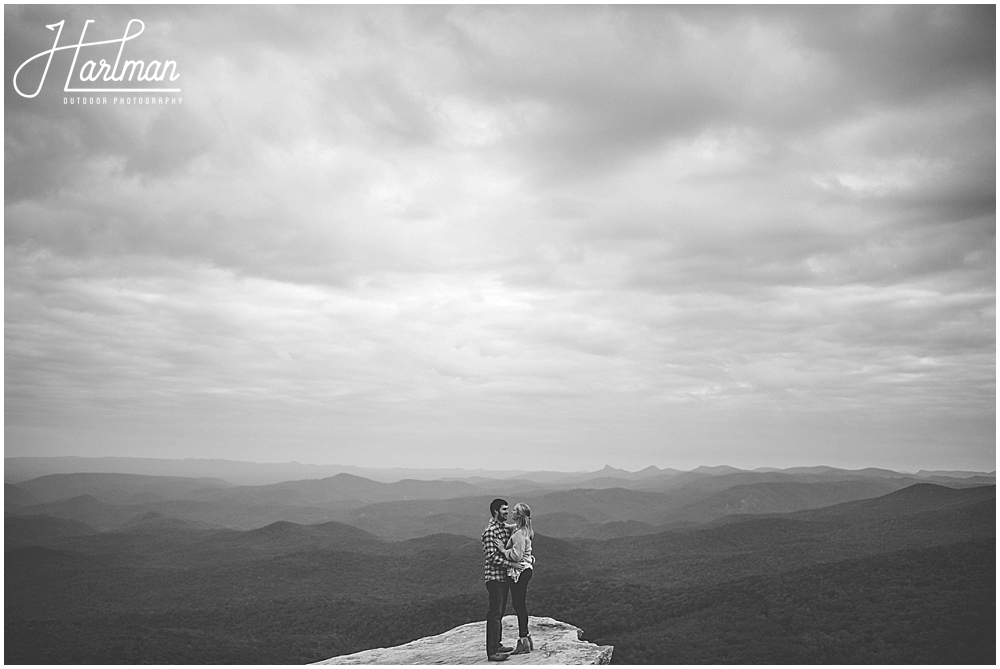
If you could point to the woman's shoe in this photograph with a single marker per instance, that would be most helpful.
(522, 647)
(531, 644)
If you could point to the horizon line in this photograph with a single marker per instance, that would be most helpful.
(505, 471)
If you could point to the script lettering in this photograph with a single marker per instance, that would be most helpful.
(91, 71)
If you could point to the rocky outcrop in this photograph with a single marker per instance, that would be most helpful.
(555, 643)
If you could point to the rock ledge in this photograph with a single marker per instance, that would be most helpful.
(555, 643)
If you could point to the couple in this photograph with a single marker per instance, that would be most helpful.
(509, 563)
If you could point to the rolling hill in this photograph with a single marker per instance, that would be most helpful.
(14, 497)
(780, 497)
(116, 488)
(36, 530)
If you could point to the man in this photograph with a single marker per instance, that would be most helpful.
(497, 581)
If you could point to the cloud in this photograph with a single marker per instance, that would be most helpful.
(411, 230)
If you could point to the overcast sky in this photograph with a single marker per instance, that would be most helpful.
(510, 237)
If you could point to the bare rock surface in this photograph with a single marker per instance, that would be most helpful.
(555, 643)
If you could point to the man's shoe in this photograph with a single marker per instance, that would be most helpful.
(498, 657)
(505, 649)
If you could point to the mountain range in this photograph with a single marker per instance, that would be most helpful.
(606, 503)
(18, 469)
(724, 568)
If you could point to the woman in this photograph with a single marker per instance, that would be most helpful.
(518, 550)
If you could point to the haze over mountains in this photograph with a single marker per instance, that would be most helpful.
(716, 565)
(609, 502)
(18, 469)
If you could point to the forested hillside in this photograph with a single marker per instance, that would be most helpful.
(904, 578)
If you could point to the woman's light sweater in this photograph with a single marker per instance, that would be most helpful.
(519, 551)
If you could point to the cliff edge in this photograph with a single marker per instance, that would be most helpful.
(555, 643)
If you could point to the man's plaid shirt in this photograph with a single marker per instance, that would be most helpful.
(496, 563)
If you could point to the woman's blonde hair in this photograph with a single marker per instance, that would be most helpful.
(522, 514)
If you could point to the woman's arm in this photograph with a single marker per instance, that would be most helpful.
(516, 551)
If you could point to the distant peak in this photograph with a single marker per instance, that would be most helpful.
(344, 476)
(716, 469)
(277, 527)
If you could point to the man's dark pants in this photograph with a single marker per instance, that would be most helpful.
(494, 616)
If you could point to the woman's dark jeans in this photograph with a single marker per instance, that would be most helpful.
(518, 591)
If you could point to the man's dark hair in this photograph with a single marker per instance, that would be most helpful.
(495, 506)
